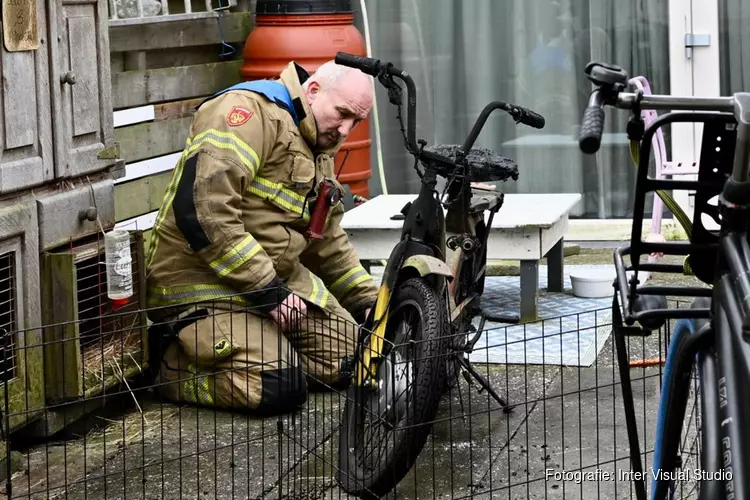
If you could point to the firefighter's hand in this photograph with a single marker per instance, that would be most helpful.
(290, 313)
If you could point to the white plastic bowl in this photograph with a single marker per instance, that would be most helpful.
(592, 284)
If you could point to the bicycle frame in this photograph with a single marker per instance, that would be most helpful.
(422, 248)
(721, 349)
(470, 246)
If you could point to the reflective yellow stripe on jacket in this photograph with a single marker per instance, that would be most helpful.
(349, 280)
(217, 138)
(319, 295)
(280, 196)
(226, 140)
(234, 258)
(188, 294)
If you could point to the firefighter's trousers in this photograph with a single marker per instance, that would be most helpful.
(234, 359)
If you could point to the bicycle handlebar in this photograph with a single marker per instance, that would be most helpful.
(611, 83)
(366, 65)
(592, 124)
(530, 118)
(520, 114)
(377, 69)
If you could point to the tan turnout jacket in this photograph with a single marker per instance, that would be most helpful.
(234, 215)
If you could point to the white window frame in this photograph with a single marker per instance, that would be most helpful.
(692, 73)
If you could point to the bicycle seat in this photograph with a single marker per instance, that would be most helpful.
(484, 164)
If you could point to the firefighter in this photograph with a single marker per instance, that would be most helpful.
(257, 308)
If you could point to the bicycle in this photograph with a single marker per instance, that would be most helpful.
(713, 333)
(424, 307)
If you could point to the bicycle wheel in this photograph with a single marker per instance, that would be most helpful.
(384, 429)
(681, 432)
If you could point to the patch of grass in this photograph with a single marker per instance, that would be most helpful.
(578, 256)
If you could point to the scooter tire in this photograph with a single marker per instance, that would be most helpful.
(429, 343)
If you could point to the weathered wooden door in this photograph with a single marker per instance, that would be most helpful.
(21, 350)
(81, 87)
(26, 153)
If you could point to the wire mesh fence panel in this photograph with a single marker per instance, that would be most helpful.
(225, 404)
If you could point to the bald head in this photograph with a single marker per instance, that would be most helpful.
(330, 75)
(340, 98)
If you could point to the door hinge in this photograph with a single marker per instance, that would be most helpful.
(111, 152)
(696, 40)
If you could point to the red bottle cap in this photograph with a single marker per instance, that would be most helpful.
(119, 303)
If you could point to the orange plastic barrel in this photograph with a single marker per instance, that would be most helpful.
(311, 33)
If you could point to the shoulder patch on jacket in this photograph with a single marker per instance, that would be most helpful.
(238, 115)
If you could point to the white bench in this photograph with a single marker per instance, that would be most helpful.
(527, 228)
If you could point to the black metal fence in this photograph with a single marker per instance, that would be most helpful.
(68, 434)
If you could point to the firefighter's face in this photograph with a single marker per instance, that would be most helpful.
(339, 109)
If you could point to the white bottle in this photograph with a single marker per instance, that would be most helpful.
(119, 265)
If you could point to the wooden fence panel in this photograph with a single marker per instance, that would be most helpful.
(138, 88)
(178, 109)
(152, 139)
(141, 196)
(186, 33)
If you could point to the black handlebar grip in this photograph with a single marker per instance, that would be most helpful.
(366, 65)
(531, 118)
(592, 127)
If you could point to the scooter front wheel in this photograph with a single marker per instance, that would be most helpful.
(385, 425)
